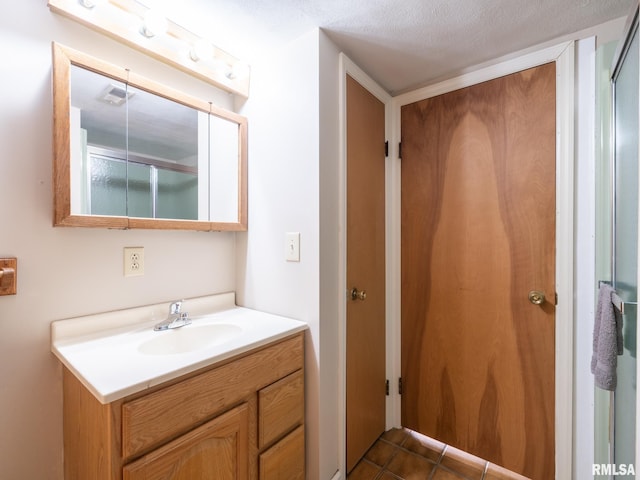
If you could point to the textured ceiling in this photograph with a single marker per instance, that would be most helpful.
(400, 43)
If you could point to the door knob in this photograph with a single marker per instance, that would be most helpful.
(358, 294)
(536, 297)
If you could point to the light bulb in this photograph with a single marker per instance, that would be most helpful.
(239, 70)
(201, 50)
(90, 3)
(222, 67)
(154, 23)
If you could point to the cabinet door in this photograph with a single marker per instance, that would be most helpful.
(218, 450)
(285, 460)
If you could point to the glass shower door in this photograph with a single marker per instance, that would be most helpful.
(625, 242)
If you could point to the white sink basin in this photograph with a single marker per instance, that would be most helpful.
(189, 338)
(117, 353)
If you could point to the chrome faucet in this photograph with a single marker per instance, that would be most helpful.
(176, 318)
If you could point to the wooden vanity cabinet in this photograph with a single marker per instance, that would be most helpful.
(240, 420)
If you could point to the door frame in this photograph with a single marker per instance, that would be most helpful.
(348, 67)
(563, 54)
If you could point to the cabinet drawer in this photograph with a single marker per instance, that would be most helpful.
(218, 449)
(151, 420)
(285, 460)
(280, 408)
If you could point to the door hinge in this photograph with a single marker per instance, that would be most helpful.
(556, 304)
(386, 148)
(387, 388)
(400, 150)
(400, 386)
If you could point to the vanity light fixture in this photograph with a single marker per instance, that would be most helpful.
(160, 38)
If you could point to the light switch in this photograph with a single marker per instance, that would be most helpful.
(292, 253)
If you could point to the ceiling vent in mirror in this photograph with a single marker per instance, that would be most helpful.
(115, 95)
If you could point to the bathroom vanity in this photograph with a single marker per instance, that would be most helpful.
(232, 410)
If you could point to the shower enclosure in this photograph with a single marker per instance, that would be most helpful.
(623, 241)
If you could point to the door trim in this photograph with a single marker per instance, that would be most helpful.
(563, 54)
(348, 67)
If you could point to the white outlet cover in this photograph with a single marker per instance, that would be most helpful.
(133, 261)
(292, 247)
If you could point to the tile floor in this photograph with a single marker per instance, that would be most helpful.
(401, 454)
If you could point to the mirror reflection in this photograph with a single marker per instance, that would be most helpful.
(140, 152)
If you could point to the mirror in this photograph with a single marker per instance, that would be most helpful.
(132, 153)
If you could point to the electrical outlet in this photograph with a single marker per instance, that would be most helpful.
(133, 261)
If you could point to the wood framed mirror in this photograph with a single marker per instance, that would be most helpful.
(132, 153)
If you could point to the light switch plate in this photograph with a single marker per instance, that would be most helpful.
(292, 247)
(133, 261)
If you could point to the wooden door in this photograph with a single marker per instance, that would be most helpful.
(217, 450)
(478, 234)
(365, 271)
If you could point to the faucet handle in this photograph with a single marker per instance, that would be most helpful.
(175, 307)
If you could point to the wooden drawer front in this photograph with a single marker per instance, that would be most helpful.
(153, 419)
(280, 408)
(216, 450)
(285, 460)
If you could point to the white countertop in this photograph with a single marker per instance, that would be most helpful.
(103, 350)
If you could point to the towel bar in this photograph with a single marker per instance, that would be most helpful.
(620, 304)
(616, 300)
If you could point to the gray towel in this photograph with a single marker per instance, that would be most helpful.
(607, 340)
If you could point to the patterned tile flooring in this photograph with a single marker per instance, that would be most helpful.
(401, 454)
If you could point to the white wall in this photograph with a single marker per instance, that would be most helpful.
(65, 272)
(293, 183)
(283, 197)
